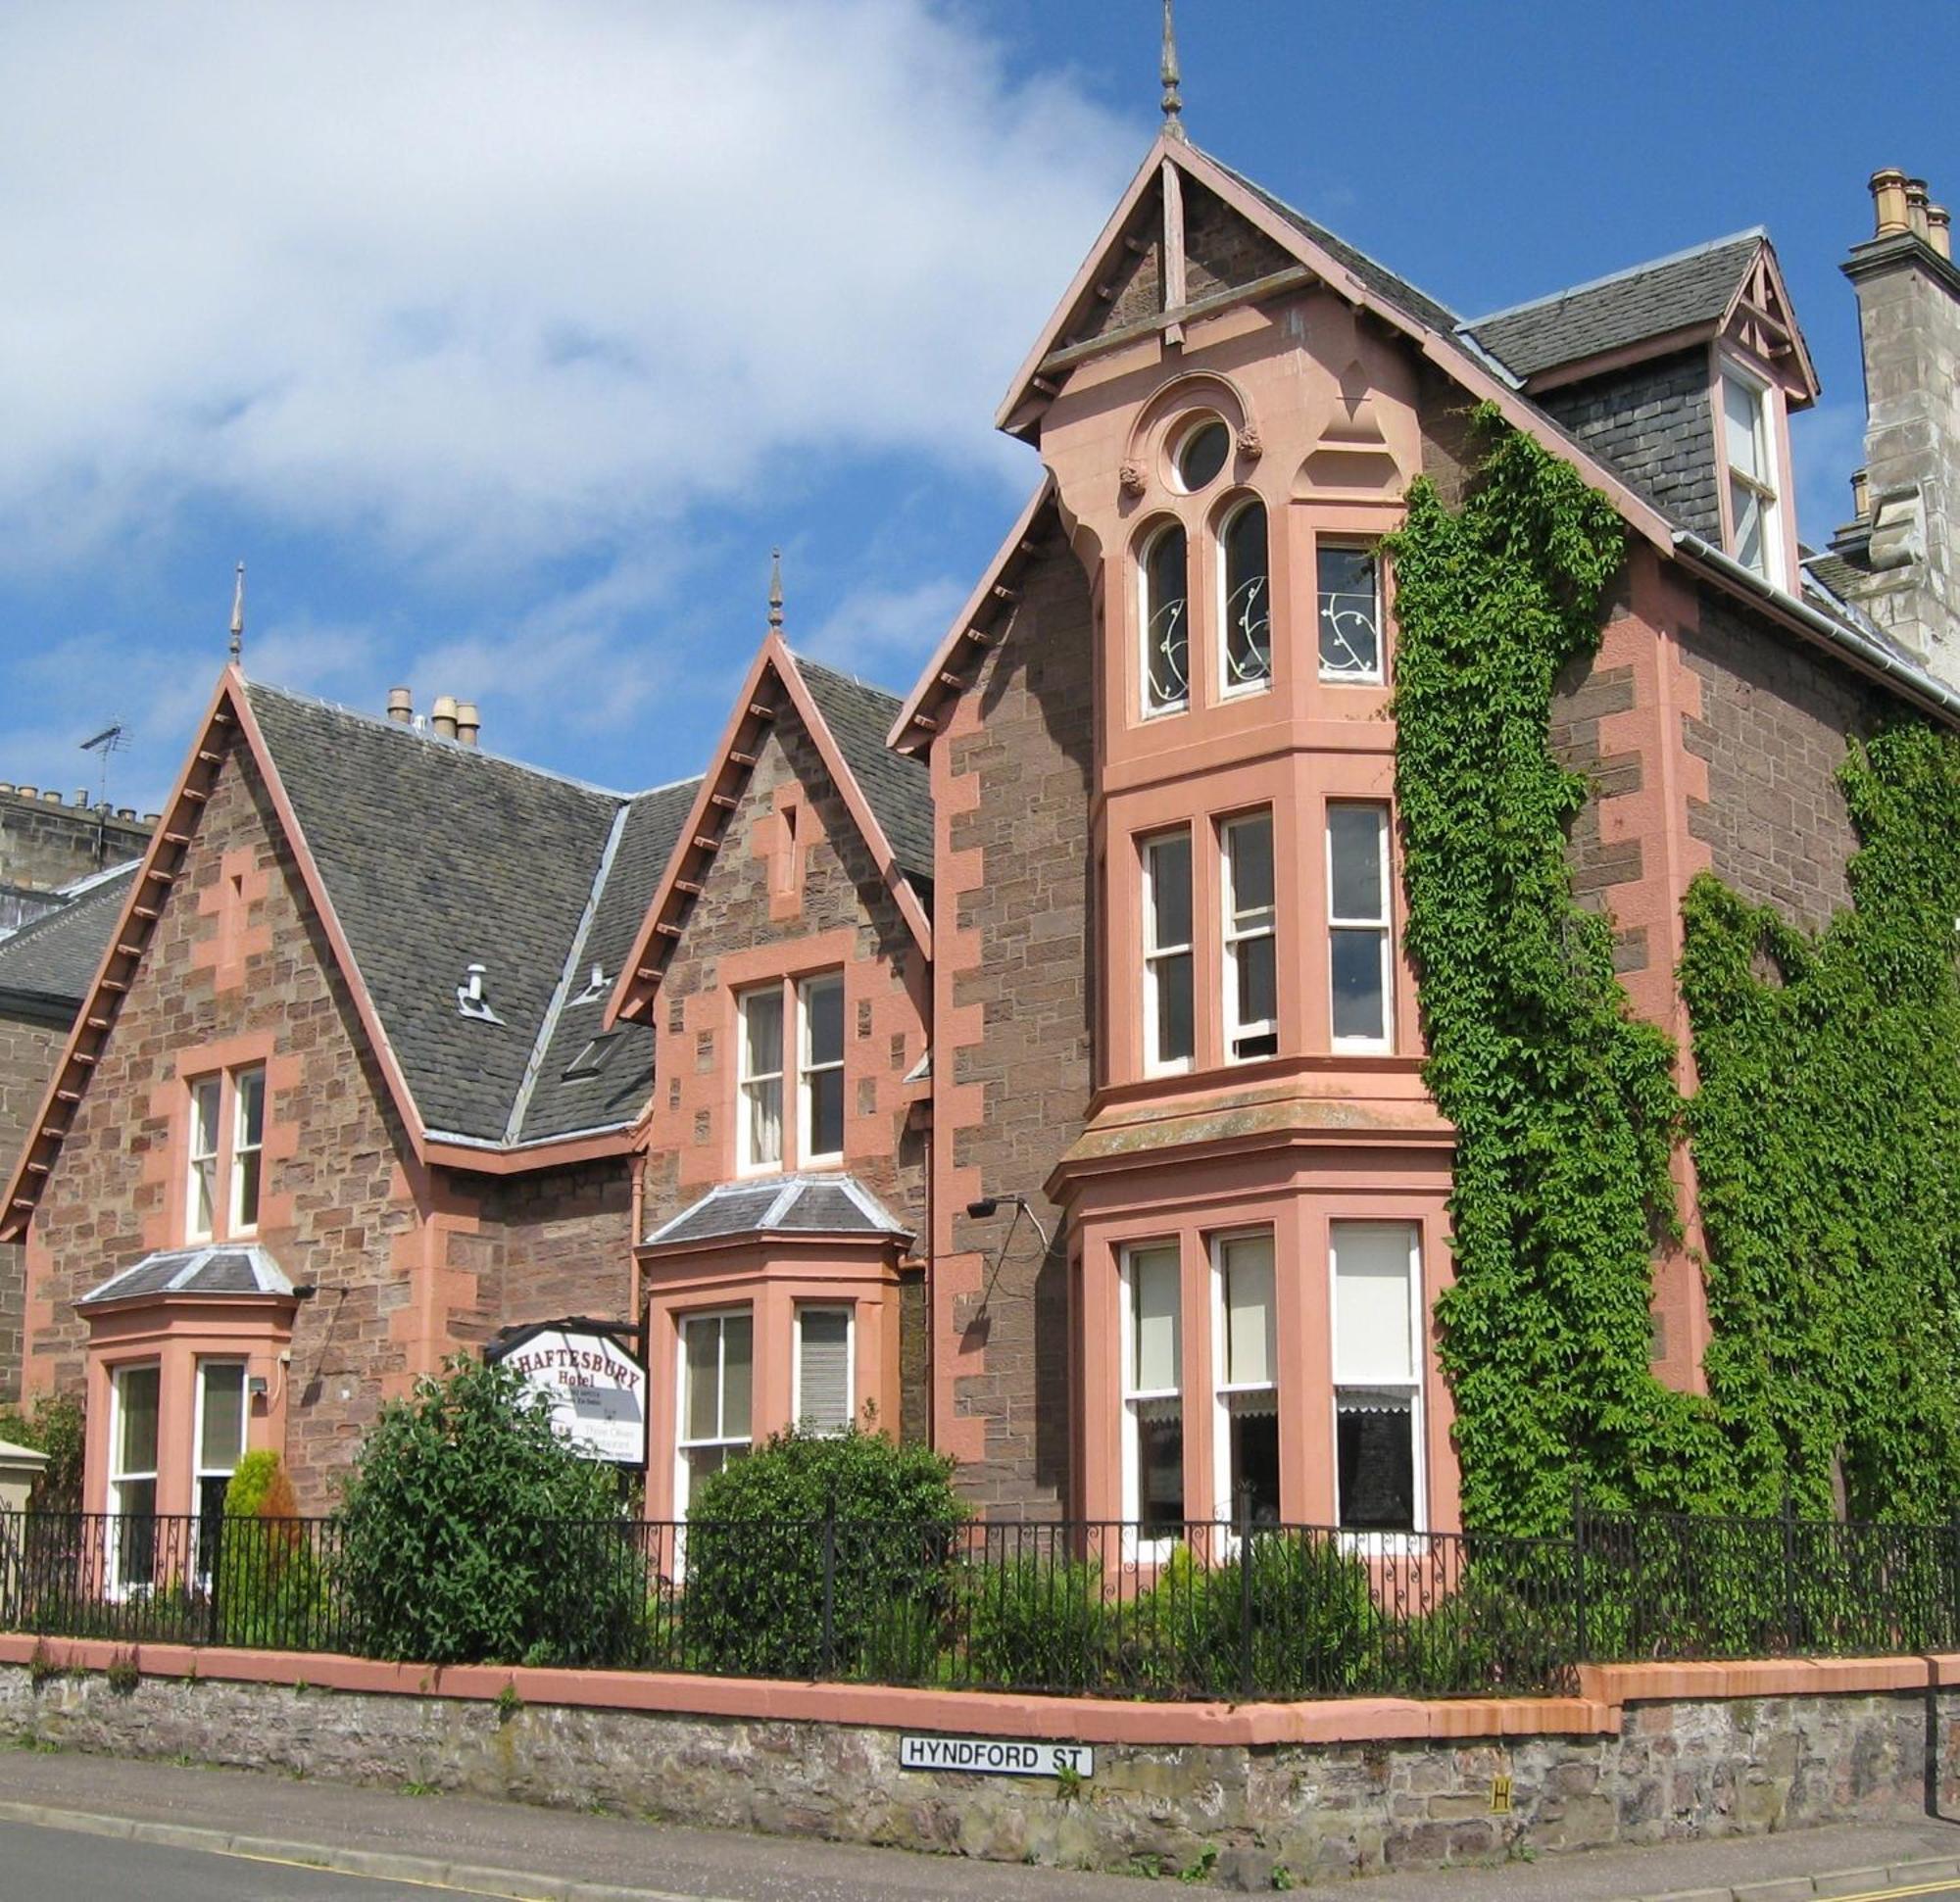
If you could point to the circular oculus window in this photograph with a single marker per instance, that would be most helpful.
(1201, 454)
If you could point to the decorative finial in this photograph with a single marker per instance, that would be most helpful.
(776, 589)
(1173, 100)
(238, 616)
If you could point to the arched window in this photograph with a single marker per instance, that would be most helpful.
(1166, 621)
(1247, 624)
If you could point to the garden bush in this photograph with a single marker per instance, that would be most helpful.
(1035, 1623)
(756, 1559)
(54, 1428)
(270, 1581)
(471, 1532)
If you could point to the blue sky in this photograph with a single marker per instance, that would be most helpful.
(502, 340)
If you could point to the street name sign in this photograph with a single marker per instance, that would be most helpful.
(997, 1756)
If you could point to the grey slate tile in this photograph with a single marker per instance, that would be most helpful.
(53, 959)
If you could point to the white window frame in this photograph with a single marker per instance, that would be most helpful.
(203, 1159)
(1137, 1548)
(1377, 675)
(1147, 614)
(1156, 956)
(1228, 687)
(683, 1444)
(807, 1070)
(200, 1471)
(1241, 928)
(849, 1311)
(1760, 487)
(1224, 1389)
(1382, 1543)
(1383, 925)
(747, 1082)
(235, 1199)
(115, 1584)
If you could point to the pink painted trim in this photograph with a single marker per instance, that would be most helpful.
(1606, 1690)
(1766, 256)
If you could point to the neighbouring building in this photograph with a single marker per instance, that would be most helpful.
(1031, 1064)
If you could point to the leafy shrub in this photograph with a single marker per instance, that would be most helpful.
(54, 1428)
(1035, 1623)
(877, 1518)
(1494, 1632)
(268, 1579)
(246, 1491)
(470, 1532)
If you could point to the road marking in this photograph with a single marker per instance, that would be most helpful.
(325, 1859)
(1950, 1886)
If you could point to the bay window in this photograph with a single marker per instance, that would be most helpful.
(1377, 1335)
(1252, 972)
(1166, 618)
(1169, 1026)
(1247, 623)
(717, 1358)
(760, 1084)
(1154, 1391)
(1749, 440)
(820, 1013)
(1360, 959)
(1348, 582)
(226, 1150)
(824, 1372)
(1246, 1335)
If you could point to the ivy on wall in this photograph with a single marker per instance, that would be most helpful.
(1826, 1125)
(1826, 1135)
(1565, 1106)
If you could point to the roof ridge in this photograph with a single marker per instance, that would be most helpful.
(451, 748)
(78, 888)
(1757, 232)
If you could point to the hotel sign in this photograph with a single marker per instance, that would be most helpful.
(597, 1390)
(997, 1756)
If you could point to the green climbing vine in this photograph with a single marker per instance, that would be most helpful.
(1565, 1106)
(1826, 1135)
(1826, 1125)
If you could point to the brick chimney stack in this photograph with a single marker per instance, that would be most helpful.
(1904, 545)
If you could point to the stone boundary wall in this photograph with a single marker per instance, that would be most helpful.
(1646, 1754)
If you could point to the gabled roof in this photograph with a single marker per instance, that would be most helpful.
(780, 1205)
(889, 797)
(1689, 289)
(48, 964)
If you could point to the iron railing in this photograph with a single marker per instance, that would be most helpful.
(1199, 1610)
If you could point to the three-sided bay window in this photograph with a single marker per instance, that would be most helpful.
(1166, 616)
(226, 1146)
(1251, 970)
(1377, 1375)
(1360, 959)
(717, 1359)
(1247, 1337)
(1154, 1391)
(1169, 1026)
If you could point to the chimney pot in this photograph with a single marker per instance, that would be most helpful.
(51, 797)
(401, 705)
(468, 722)
(29, 792)
(6, 784)
(1888, 201)
(125, 811)
(1914, 205)
(1940, 230)
(442, 716)
(81, 795)
(152, 818)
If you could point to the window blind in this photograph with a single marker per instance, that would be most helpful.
(1250, 1357)
(1153, 1278)
(824, 1369)
(1371, 1302)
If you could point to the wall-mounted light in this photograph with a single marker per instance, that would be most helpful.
(990, 1205)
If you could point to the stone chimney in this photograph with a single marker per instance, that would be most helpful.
(442, 716)
(1903, 545)
(400, 707)
(469, 723)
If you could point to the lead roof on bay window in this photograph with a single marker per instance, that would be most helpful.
(228, 1269)
(827, 1205)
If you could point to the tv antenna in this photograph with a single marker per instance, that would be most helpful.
(112, 739)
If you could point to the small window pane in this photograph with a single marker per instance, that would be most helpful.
(1155, 1330)
(1375, 1458)
(1258, 996)
(826, 1113)
(824, 1004)
(1372, 1336)
(1249, 844)
(703, 1342)
(1747, 508)
(738, 1375)
(1360, 1010)
(762, 1024)
(1252, 1356)
(1249, 641)
(1160, 1467)
(1255, 1468)
(251, 1108)
(136, 1394)
(223, 1437)
(1356, 833)
(824, 1369)
(1201, 454)
(1170, 891)
(1743, 411)
(1350, 624)
(1166, 622)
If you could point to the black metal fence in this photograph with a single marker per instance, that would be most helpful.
(1096, 1608)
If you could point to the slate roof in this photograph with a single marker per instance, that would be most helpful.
(52, 960)
(437, 856)
(897, 786)
(781, 1206)
(217, 1270)
(1648, 300)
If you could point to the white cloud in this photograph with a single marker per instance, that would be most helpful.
(886, 633)
(501, 281)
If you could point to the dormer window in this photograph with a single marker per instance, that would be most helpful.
(1166, 622)
(1749, 442)
(1247, 621)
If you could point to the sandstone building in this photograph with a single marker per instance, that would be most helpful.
(1032, 1064)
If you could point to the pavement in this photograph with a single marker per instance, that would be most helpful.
(75, 1827)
